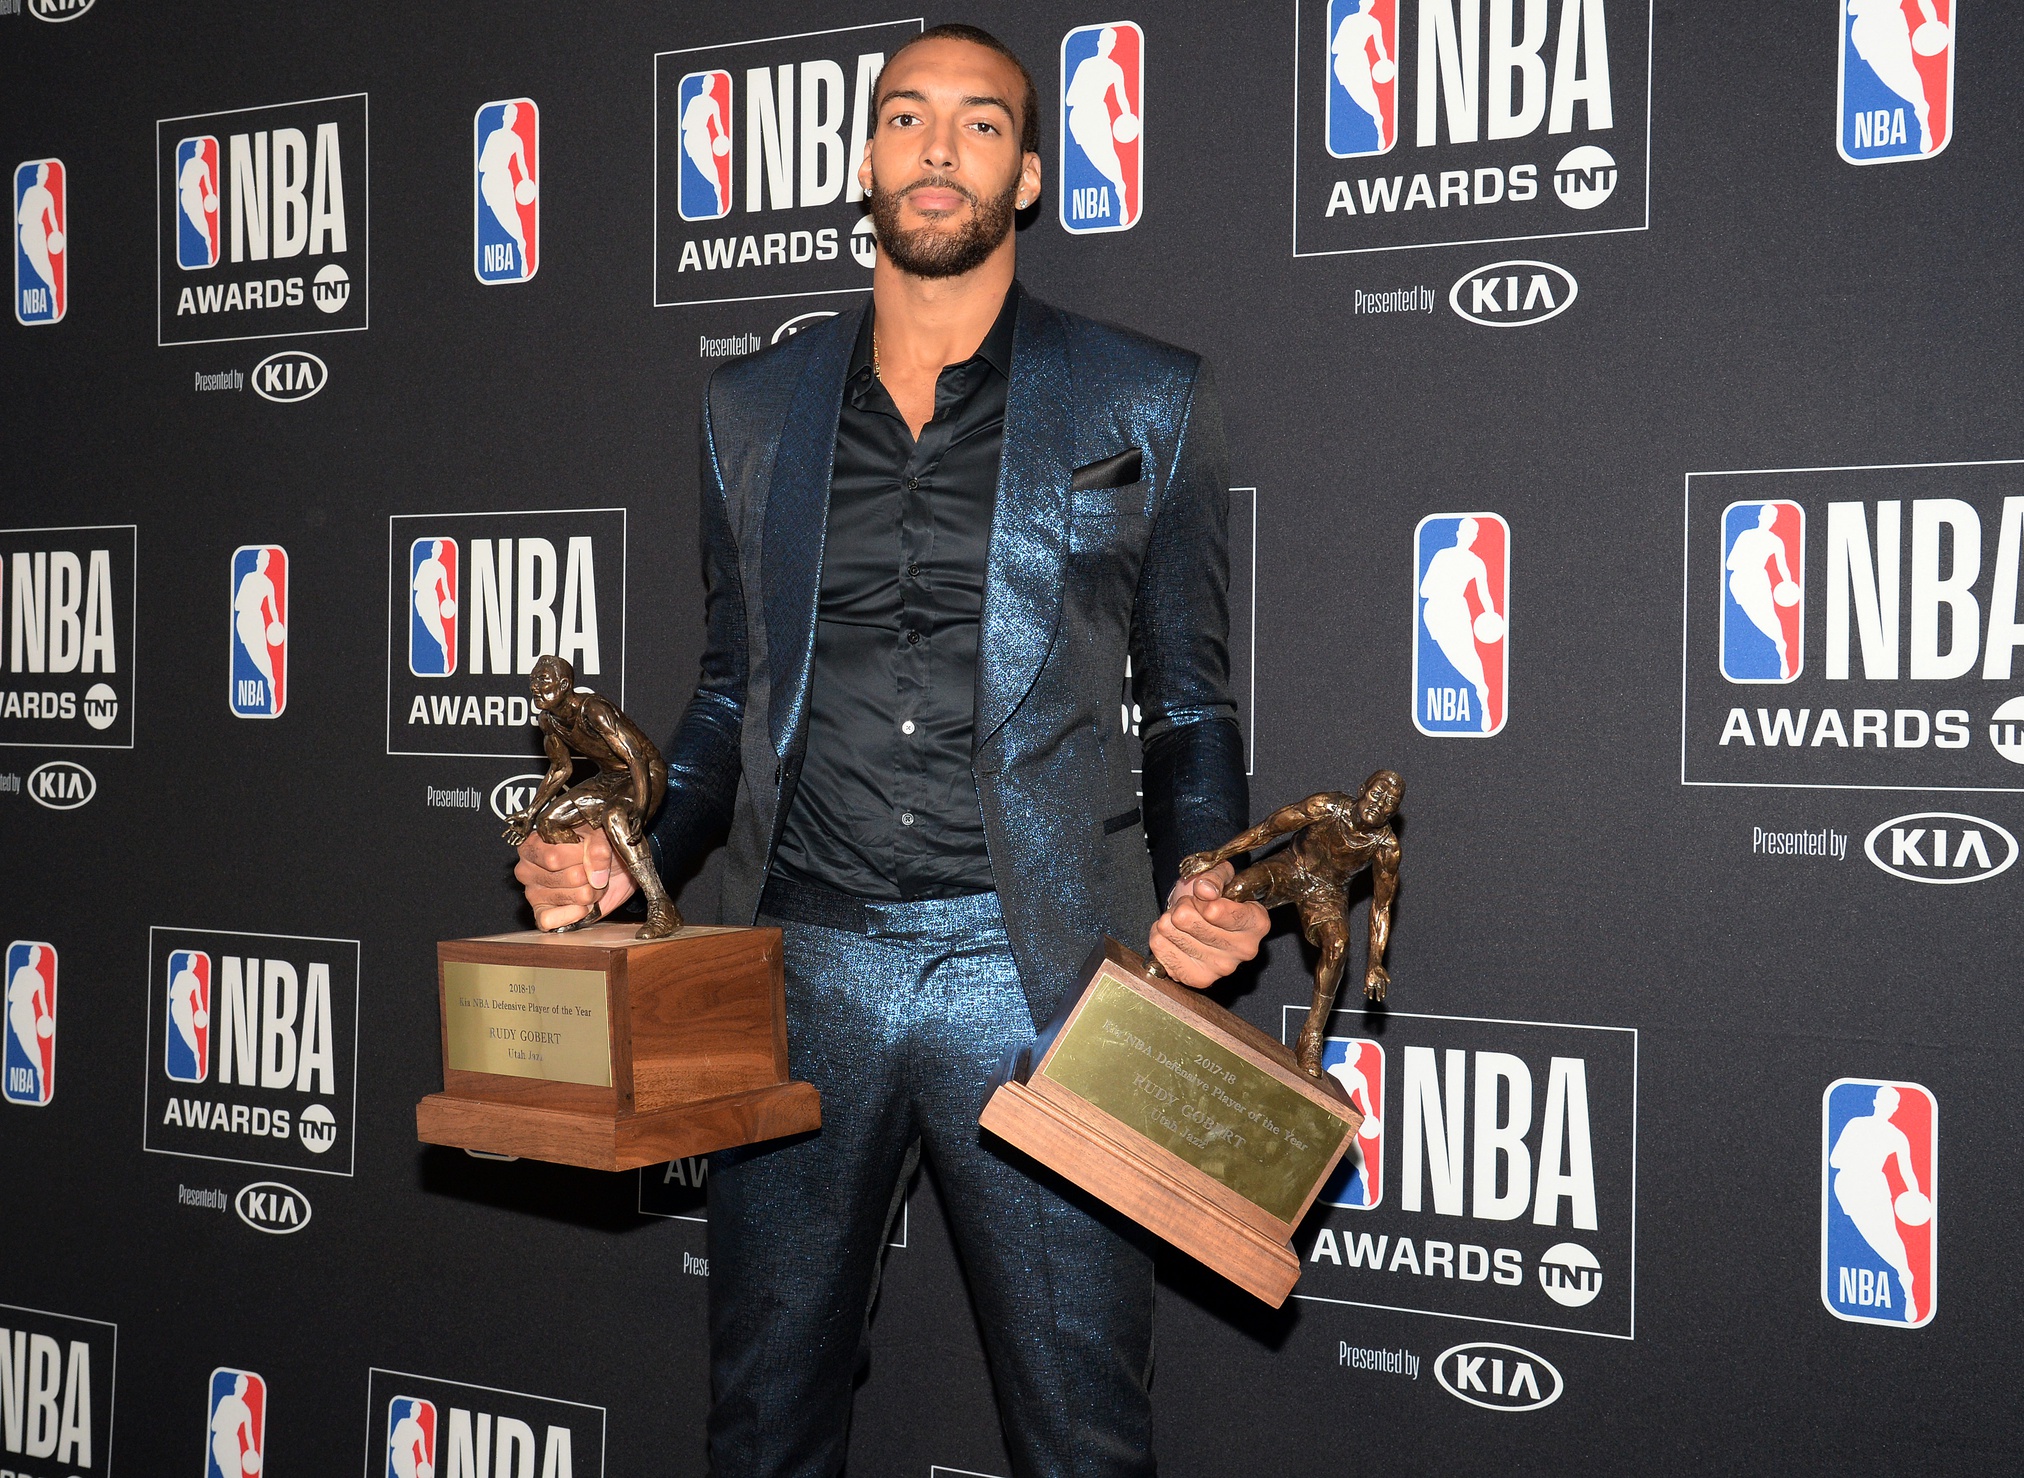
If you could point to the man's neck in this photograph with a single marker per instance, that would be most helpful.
(926, 323)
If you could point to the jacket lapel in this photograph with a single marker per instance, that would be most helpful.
(1029, 526)
(796, 518)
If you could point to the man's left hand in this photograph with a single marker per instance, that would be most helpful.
(1203, 936)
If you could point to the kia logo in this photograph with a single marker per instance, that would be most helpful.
(61, 785)
(1498, 1377)
(1941, 847)
(1513, 294)
(293, 374)
(58, 10)
(511, 796)
(795, 325)
(269, 1206)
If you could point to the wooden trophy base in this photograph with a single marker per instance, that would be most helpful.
(599, 1050)
(1184, 1117)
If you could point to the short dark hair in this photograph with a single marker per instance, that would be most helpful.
(1029, 105)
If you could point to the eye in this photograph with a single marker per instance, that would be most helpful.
(902, 120)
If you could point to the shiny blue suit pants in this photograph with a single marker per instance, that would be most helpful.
(898, 1016)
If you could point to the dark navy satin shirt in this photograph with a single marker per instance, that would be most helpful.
(886, 806)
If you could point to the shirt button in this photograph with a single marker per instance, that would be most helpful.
(906, 818)
(913, 567)
(913, 638)
(907, 727)
(912, 483)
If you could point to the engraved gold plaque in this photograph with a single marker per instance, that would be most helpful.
(527, 1021)
(1191, 1095)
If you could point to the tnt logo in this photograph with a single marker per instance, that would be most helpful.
(1461, 666)
(1363, 70)
(432, 607)
(1102, 127)
(411, 1438)
(704, 103)
(187, 1047)
(506, 137)
(1763, 582)
(1358, 1064)
(237, 1424)
(259, 630)
(1879, 1202)
(41, 216)
(197, 202)
(28, 1065)
(1897, 80)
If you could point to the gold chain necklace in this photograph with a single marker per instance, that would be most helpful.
(874, 355)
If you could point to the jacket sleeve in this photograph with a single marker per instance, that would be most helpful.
(703, 756)
(1196, 794)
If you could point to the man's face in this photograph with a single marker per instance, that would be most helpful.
(1376, 805)
(549, 691)
(943, 167)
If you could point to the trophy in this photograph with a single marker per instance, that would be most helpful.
(1184, 1116)
(600, 1044)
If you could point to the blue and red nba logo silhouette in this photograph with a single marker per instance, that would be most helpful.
(41, 247)
(1897, 79)
(1461, 620)
(411, 1437)
(236, 1425)
(704, 101)
(432, 607)
(186, 1055)
(506, 144)
(197, 186)
(1358, 1064)
(1763, 591)
(259, 630)
(1363, 77)
(1102, 127)
(1879, 1202)
(28, 1065)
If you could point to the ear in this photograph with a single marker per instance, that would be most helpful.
(1029, 181)
(864, 169)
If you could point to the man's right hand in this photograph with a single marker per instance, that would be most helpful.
(562, 880)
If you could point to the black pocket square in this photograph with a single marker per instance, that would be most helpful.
(1112, 472)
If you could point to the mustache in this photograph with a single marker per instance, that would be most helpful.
(937, 182)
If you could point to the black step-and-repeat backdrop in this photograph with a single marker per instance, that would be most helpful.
(1622, 400)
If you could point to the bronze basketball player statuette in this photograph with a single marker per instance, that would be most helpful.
(1335, 836)
(631, 778)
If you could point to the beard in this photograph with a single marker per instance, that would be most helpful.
(930, 251)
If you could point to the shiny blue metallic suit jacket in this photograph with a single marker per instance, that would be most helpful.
(1076, 582)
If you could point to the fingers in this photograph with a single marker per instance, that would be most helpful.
(597, 857)
(1208, 883)
(555, 918)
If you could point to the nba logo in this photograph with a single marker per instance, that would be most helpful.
(411, 1438)
(41, 217)
(432, 607)
(30, 1057)
(237, 1430)
(704, 99)
(1879, 1202)
(197, 181)
(506, 139)
(1763, 582)
(1897, 79)
(186, 1057)
(1358, 1064)
(1363, 77)
(1102, 127)
(1461, 655)
(259, 630)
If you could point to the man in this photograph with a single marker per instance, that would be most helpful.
(1450, 574)
(1866, 1144)
(934, 530)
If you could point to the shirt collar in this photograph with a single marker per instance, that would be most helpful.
(996, 350)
